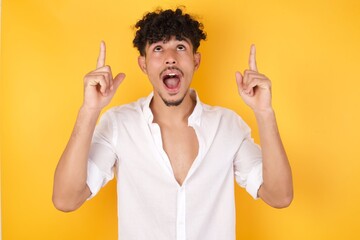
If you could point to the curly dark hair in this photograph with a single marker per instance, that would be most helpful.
(161, 25)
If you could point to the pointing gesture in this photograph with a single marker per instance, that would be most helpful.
(102, 55)
(254, 87)
(99, 85)
(252, 58)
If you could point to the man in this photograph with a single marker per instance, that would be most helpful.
(175, 158)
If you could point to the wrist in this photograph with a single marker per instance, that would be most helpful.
(89, 112)
(265, 116)
(264, 112)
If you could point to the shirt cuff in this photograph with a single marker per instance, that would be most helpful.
(94, 179)
(254, 181)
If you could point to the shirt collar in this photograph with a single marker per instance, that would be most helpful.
(149, 117)
(194, 118)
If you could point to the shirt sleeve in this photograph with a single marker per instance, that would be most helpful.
(248, 164)
(102, 156)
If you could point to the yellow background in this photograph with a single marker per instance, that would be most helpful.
(309, 49)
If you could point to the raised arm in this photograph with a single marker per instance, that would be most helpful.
(255, 90)
(70, 189)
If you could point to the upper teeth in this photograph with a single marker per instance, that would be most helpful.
(171, 74)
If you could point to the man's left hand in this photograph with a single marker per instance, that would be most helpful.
(254, 87)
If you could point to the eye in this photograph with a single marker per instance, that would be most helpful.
(181, 48)
(157, 49)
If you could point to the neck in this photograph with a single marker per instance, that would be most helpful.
(170, 115)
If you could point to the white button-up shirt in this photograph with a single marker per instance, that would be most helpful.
(151, 203)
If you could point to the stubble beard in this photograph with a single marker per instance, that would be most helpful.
(173, 103)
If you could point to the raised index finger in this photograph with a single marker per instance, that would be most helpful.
(102, 55)
(252, 58)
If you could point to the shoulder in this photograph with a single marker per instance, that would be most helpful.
(129, 111)
(223, 116)
(218, 111)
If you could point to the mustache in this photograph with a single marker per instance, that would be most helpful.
(171, 68)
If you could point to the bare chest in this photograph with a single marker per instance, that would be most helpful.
(181, 145)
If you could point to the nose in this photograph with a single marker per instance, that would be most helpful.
(170, 62)
(170, 58)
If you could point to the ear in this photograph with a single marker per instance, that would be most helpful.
(197, 60)
(142, 63)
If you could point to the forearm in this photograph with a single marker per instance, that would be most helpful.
(277, 188)
(70, 189)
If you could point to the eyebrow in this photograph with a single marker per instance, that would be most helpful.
(164, 41)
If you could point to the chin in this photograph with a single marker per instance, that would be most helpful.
(173, 103)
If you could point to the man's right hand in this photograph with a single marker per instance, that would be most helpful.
(70, 187)
(99, 85)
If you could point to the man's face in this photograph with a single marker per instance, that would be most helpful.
(170, 66)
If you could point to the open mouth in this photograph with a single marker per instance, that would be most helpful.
(171, 80)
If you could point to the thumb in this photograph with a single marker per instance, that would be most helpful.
(118, 80)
